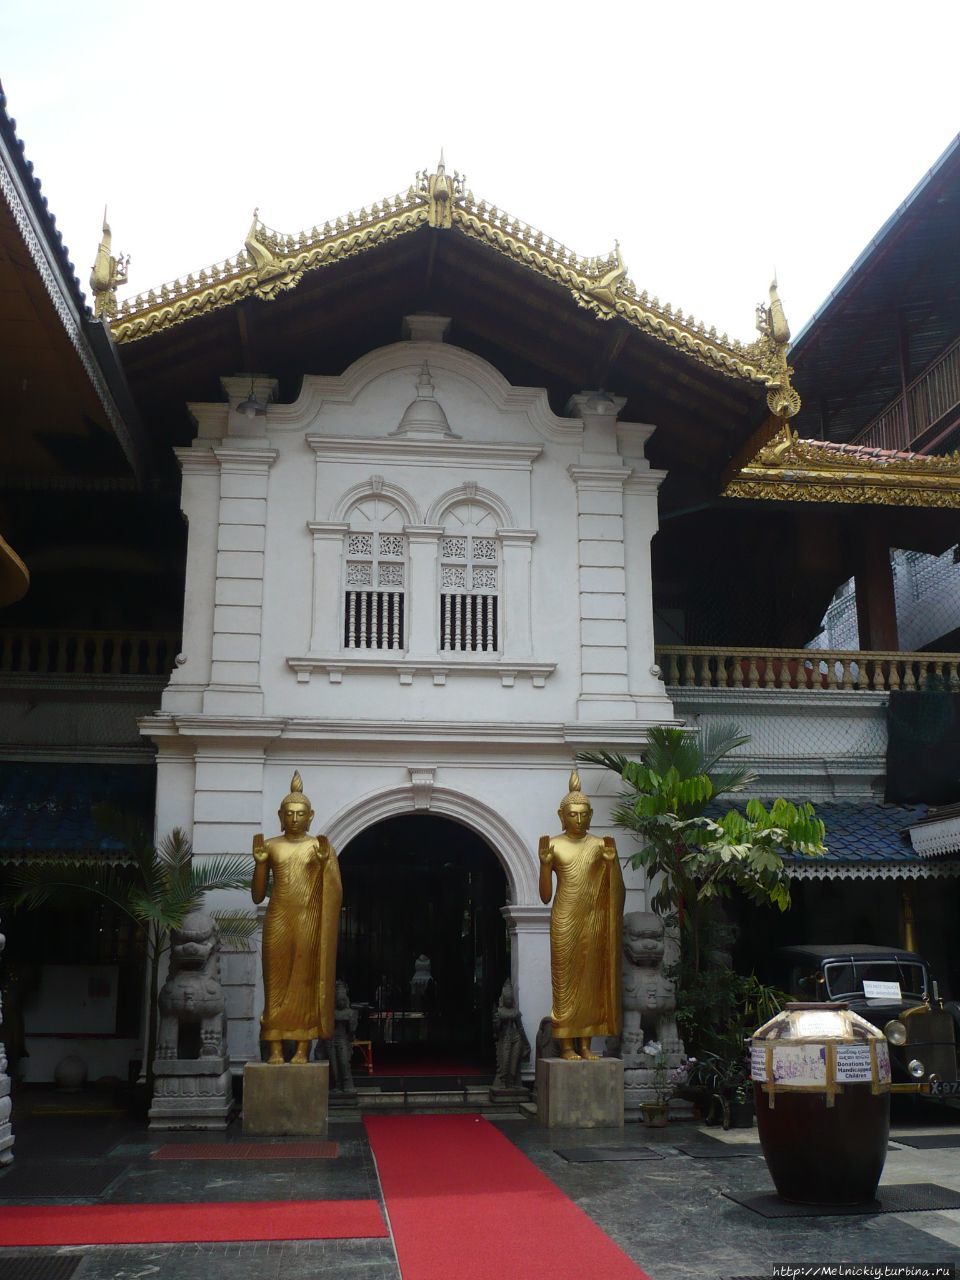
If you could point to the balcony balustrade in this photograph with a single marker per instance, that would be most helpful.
(708, 667)
(87, 653)
(926, 401)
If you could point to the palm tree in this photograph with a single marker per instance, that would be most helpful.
(156, 887)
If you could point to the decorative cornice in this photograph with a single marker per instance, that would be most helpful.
(790, 469)
(271, 262)
(904, 869)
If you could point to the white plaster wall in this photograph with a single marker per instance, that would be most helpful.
(819, 744)
(265, 687)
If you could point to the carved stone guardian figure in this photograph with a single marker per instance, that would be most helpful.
(192, 1088)
(649, 996)
(192, 998)
(512, 1043)
(649, 1010)
(340, 1047)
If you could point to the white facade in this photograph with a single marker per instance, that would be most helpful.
(425, 591)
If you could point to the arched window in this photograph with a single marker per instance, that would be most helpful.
(470, 580)
(374, 576)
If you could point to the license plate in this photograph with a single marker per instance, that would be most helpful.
(945, 1088)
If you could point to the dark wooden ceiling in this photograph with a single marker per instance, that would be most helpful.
(902, 292)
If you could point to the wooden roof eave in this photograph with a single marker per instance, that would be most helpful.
(272, 263)
(786, 468)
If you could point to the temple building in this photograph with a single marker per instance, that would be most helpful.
(421, 503)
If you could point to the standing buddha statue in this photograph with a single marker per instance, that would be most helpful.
(586, 924)
(300, 929)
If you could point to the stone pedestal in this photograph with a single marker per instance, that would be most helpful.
(291, 1099)
(194, 1093)
(578, 1094)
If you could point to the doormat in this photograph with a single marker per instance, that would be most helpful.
(589, 1155)
(54, 1224)
(719, 1151)
(463, 1201)
(246, 1151)
(52, 1179)
(915, 1197)
(928, 1141)
(39, 1266)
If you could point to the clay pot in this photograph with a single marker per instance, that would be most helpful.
(821, 1087)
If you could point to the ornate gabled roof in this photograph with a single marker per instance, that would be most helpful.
(791, 469)
(272, 262)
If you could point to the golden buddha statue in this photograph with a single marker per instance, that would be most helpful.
(586, 923)
(300, 929)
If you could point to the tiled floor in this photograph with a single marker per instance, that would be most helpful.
(669, 1215)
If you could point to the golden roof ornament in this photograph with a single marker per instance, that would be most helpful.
(107, 275)
(605, 289)
(782, 401)
(441, 191)
(274, 271)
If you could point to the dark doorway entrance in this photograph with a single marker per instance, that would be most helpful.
(419, 888)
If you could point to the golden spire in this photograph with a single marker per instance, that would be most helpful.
(107, 275)
(782, 401)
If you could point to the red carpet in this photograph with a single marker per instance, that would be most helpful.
(246, 1151)
(52, 1224)
(464, 1202)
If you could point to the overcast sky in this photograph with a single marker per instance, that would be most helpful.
(715, 141)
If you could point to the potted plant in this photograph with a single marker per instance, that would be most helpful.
(666, 1082)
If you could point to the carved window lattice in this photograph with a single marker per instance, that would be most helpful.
(469, 591)
(360, 544)
(390, 544)
(374, 606)
(454, 549)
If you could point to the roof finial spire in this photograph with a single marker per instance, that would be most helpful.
(108, 274)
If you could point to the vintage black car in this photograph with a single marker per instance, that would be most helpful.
(920, 1027)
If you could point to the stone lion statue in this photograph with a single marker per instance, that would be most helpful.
(192, 1004)
(649, 997)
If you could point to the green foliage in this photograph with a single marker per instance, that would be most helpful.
(693, 858)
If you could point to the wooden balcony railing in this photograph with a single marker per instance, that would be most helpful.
(925, 402)
(87, 653)
(705, 667)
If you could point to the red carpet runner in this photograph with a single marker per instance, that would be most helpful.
(52, 1224)
(464, 1202)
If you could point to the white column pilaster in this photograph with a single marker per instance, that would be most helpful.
(422, 595)
(199, 501)
(641, 521)
(241, 555)
(326, 631)
(517, 597)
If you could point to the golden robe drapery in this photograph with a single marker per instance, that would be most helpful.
(586, 923)
(300, 940)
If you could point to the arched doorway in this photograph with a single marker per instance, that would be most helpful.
(415, 886)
